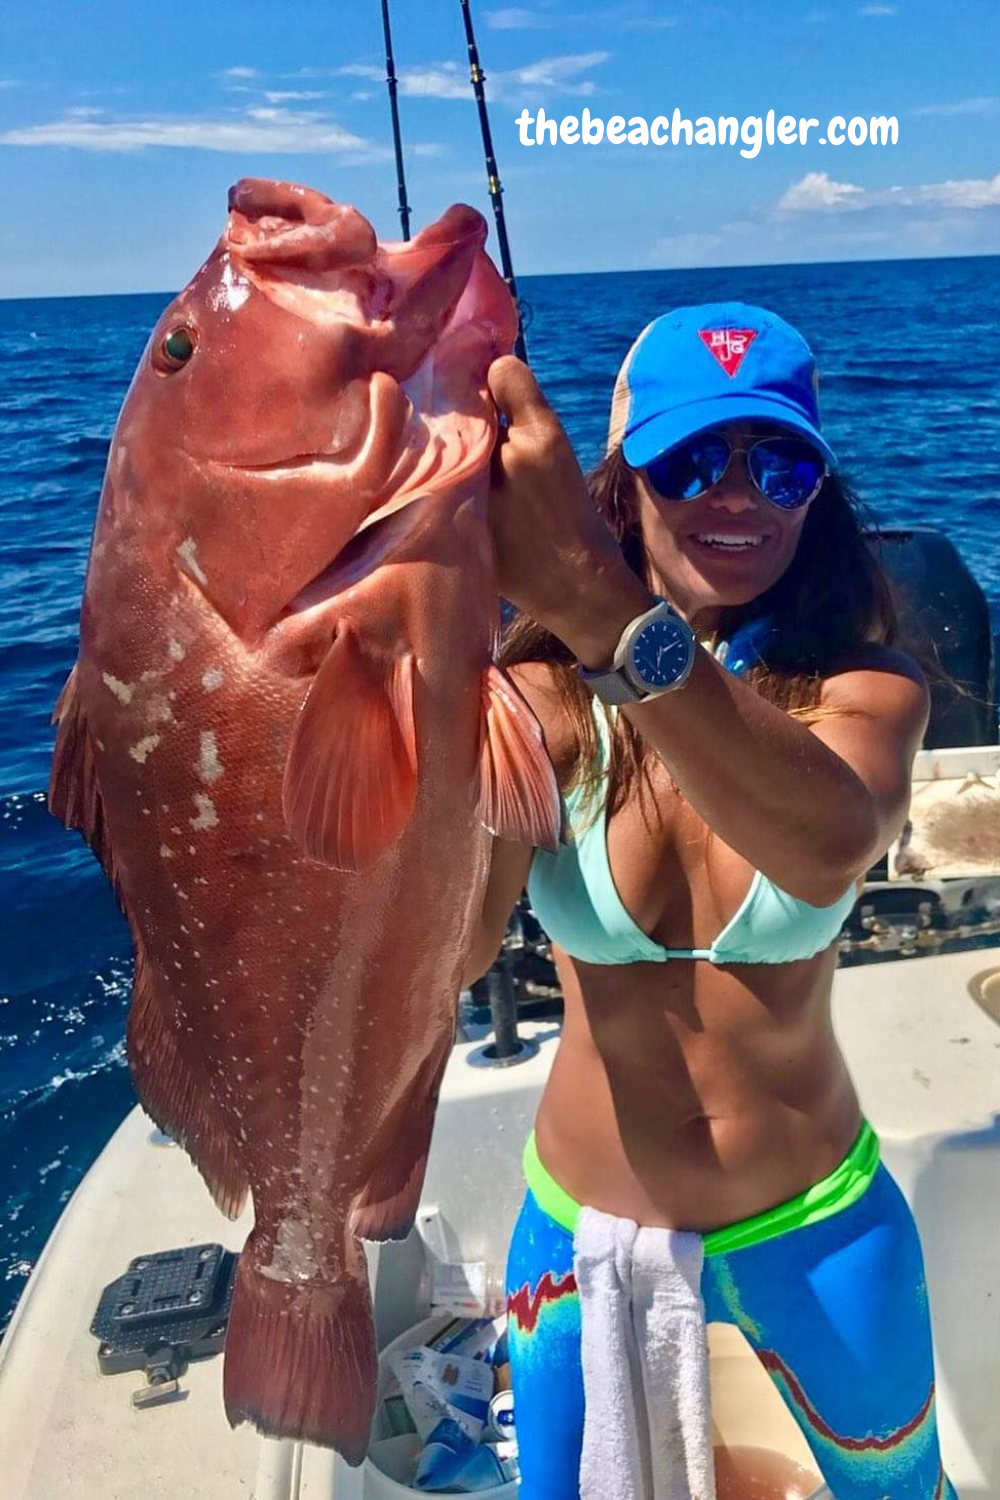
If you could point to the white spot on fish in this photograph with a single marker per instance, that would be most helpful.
(143, 748)
(212, 680)
(209, 766)
(158, 710)
(165, 852)
(122, 690)
(207, 815)
(186, 552)
(233, 292)
(176, 650)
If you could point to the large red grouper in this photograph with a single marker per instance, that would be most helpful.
(287, 743)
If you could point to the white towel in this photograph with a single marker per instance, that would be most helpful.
(647, 1428)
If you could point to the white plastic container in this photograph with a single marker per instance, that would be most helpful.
(397, 1455)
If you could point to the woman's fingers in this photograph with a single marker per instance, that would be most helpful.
(553, 549)
(516, 391)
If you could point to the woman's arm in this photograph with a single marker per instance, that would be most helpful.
(508, 875)
(810, 807)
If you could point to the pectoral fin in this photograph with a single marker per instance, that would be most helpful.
(351, 775)
(518, 794)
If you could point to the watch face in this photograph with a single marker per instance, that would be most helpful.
(660, 652)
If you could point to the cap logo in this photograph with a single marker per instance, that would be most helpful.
(728, 345)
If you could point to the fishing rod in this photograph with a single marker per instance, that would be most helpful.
(478, 78)
(397, 140)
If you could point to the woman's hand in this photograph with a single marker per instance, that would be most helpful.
(557, 559)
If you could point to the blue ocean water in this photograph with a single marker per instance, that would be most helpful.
(910, 389)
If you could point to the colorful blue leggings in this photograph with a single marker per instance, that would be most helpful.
(836, 1312)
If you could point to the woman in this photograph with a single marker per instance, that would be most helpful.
(721, 819)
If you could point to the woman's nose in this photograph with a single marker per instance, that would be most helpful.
(735, 491)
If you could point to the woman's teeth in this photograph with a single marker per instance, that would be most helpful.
(730, 543)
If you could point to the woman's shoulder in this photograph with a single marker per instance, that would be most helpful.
(873, 676)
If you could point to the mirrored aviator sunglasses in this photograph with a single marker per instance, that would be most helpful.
(788, 471)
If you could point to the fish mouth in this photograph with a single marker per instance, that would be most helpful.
(295, 462)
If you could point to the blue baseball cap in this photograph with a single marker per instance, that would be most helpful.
(700, 367)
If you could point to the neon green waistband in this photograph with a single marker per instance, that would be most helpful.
(835, 1192)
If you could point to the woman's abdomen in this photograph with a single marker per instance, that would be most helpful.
(692, 1097)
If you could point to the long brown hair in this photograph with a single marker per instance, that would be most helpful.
(833, 596)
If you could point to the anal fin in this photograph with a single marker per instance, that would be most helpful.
(178, 1101)
(351, 775)
(518, 793)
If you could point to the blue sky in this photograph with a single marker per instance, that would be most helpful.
(122, 124)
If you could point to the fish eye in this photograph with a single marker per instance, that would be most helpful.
(177, 348)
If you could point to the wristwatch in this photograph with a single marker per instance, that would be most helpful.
(654, 655)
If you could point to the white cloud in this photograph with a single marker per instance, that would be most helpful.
(262, 132)
(559, 73)
(360, 95)
(879, 10)
(240, 73)
(445, 82)
(515, 19)
(985, 105)
(10, 83)
(428, 148)
(450, 81)
(972, 192)
(278, 96)
(317, 73)
(818, 193)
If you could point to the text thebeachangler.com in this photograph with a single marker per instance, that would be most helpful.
(754, 132)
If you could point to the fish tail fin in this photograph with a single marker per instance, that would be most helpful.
(518, 794)
(178, 1100)
(388, 1206)
(350, 780)
(300, 1357)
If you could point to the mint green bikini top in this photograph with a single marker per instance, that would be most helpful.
(574, 897)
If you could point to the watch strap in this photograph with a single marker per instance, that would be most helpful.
(612, 686)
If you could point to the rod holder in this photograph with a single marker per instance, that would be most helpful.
(507, 1048)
